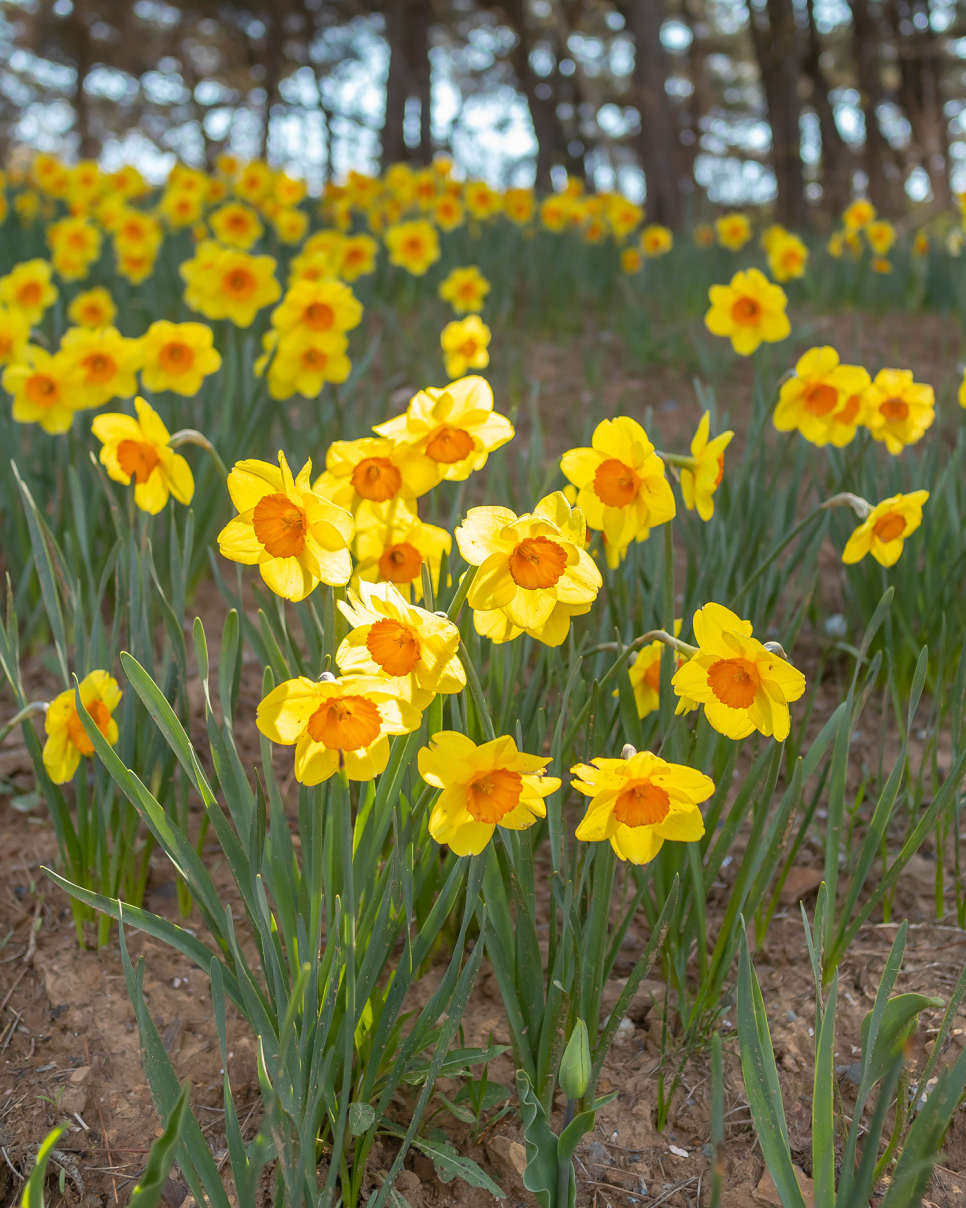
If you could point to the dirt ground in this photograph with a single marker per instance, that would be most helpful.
(69, 1044)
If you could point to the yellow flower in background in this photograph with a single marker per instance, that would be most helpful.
(858, 214)
(393, 547)
(881, 236)
(254, 182)
(236, 225)
(656, 240)
(448, 213)
(787, 258)
(645, 677)
(836, 244)
(336, 723)
(93, 308)
(896, 409)
(290, 225)
(76, 244)
(302, 361)
(465, 289)
(139, 450)
(961, 394)
(631, 261)
(137, 232)
(67, 739)
(483, 787)
(884, 530)
(920, 245)
(38, 385)
(413, 246)
(453, 425)
(554, 211)
(823, 400)
(324, 246)
(465, 343)
(28, 286)
(287, 190)
(771, 236)
(417, 650)
(27, 207)
(358, 259)
(14, 334)
(178, 357)
(748, 311)
(535, 573)
(101, 365)
(623, 215)
(322, 308)
(136, 266)
(481, 201)
(519, 205)
(374, 470)
(297, 539)
(181, 207)
(399, 179)
(622, 489)
(880, 265)
(703, 235)
(224, 284)
(127, 182)
(638, 803)
(700, 481)
(425, 188)
(742, 684)
(733, 231)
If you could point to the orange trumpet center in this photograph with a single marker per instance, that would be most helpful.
(101, 717)
(889, 526)
(29, 294)
(393, 646)
(746, 312)
(319, 316)
(376, 478)
(176, 358)
(894, 408)
(537, 562)
(240, 283)
(734, 682)
(490, 797)
(42, 390)
(280, 525)
(615, 484)
(137, 458)
(820, 398)
(642, 804)
(400, 563)
(99, 367)
(450, 445)
(850, 410)
(347, 723)
(468, 348)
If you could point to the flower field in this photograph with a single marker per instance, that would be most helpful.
(483, 697)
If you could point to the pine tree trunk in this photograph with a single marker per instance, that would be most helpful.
(779, 62)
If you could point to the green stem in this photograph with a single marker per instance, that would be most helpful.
(462, 591)
(191, 436)
(476, 691)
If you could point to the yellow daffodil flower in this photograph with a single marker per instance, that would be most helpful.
(225, 284)
(631, 261)
(896, 409)
(858, 214)
(101, 365)
(139, 449)
(374, 469)
(645, 677)
(93, 308)
(464, 343)
(453, 425)
(742, 685)
(303, 362)
(881, 236)
(882, 533)
(622, 489)
(413, 246)
(67, 739)
(518, 205)
(235, 225)
(700, 480)
(640, 802)
(38, 384)
(358, 258)
(448, 213)
(823, 400)
(323, 308)
(465, 289)
(733, 231)
(29, 288)
(787, 258)
(749, 310)
(75, 243)
(392, 544)
(416, 649)
(535, 573)
(703, 235)
(483, 787)
(14, 334)
(656, 240)
(771, 236)
(178, 357)
(481, 201)
(297, 539)
(336, 723)
(623, 215)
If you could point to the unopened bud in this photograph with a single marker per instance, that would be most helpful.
(574, 1076)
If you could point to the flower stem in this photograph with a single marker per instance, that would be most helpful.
(191, 436)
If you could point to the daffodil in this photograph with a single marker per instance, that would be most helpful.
(787, 258)
(392, 545)
(640, 802)
(374, 469)
(324, 308)
(358, 258)
(771, 236)
(464, 343)
(236, 225)
(631, 261)
(178, 357)
(481, 201)
(296, 538)
(700, 480)
(336, 723)
(885, 528)
(535, 573)
(749, 310)
(303, 361)
(226, 284)
(76, 244)
(28, 287)
(448, 213)
(455, 426)
(416, 649)
(413, 246)
(656, 240)
(14, 334)
(897, 409)
(881, 236)
(92, 308)
(67, 740)
(101, 365)
(742, 684)
(859, 214)
(622, 488)
(38, 384)
(140, 449)
(465, 289)
(518, 205)
(645, 677)
(483, 787)
(733, 231)
(823, 400)
(623, 215)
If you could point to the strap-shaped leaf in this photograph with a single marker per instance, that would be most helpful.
(150, 1186)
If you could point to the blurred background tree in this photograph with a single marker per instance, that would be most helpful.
(799, 104)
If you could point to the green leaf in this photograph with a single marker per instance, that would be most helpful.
(361, 1118)
(33, 1193)
(823, 1106)
(898, 1024)
(542, 1173)
(150, 1186)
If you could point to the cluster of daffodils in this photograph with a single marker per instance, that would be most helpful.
(307, 344)
(861, 228)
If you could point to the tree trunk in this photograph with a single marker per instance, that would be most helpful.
(918, 50)
(407, 33)
(657, 141)
(543, 108)
(866, 53)
(81, 48)
(778, 56)
(836, 156)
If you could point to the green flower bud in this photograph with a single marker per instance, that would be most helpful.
(574, 1076)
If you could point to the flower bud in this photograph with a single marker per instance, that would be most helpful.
(574, 1076)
